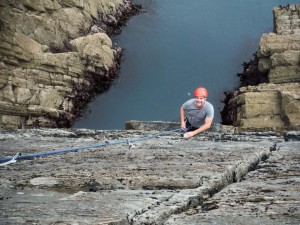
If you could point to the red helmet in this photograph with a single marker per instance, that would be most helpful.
(201, 92)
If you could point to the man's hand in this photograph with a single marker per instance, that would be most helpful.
(186, 135)
(189, 134)
(204, 127)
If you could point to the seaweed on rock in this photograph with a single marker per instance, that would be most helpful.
(229, 112)
(250, 76)
(96, 83)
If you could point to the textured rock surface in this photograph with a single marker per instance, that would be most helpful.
(268, 106)
(227, 178)
(53, 61)
(268, 195)
(279, 52)
(275, 105)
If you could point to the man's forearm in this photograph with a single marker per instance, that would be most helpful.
(203, 128)
(182, 116)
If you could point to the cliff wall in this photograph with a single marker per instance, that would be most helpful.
(55, 57)
(274, 105)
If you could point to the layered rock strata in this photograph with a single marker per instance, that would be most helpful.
(55, 56)
(275, 104)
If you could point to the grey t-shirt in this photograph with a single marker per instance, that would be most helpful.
(196, 116)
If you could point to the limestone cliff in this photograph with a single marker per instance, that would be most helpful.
(276, 103)
(55, 56)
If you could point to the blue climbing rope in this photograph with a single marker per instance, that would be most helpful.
(5, 160)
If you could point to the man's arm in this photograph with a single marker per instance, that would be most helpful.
(207, 124)
(182, 117)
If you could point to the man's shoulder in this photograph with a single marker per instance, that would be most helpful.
(209, 106)
(189, 104)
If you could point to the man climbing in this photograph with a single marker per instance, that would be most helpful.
(196, 114)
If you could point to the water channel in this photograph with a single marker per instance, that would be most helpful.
(174, 47)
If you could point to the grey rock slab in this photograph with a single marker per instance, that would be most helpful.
(105, 207)
(143, 183)
(268, 195)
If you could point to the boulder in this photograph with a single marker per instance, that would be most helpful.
(268, 107)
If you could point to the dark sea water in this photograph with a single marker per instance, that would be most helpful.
(175, 47)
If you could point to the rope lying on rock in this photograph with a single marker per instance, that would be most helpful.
(8, 160)
(13, 160)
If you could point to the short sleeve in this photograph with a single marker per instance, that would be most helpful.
(210, 111)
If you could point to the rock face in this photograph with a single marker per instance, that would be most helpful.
(55, 56)
(141, 177)
(275, 105)
(269, 106)
(279, 52)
